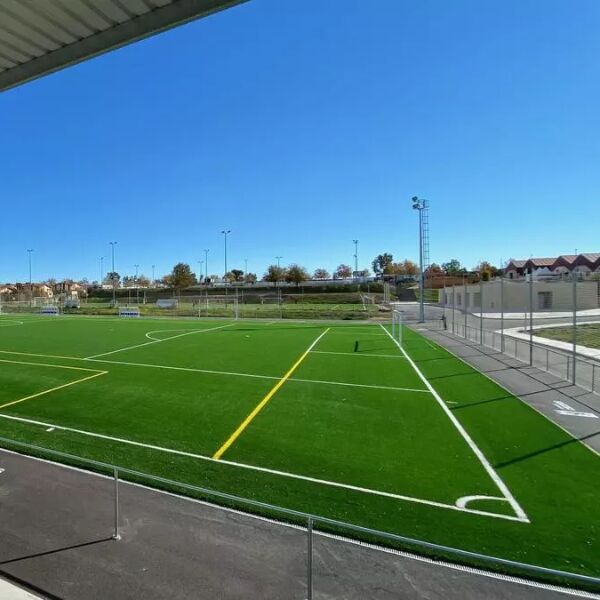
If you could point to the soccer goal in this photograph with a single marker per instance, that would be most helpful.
(397, 325)
(129, 312)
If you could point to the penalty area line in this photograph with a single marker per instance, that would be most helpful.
(266, 470)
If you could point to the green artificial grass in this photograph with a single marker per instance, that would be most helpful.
(354, 434)
(588, 334)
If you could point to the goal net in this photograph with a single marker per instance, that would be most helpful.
(397, 325)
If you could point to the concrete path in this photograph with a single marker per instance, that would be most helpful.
(56, 522)
(571, 407)
(9, 591)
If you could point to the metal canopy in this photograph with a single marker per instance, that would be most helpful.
(38, 37)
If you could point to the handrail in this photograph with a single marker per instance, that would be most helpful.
(311, 518)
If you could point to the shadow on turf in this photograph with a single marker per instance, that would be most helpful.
(544, 450)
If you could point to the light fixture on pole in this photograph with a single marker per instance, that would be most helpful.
(29, 251)
(112, 275)
(206, 251)
(421, 205)
(225, 233)
(355, 242)
(153, 279)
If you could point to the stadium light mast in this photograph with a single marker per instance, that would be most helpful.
(225, 233)
(29, 251)
(153, 279)
(200, 262)
(206, 251)
(355, 242)
(278, 259)
(420, 204)
(112, 250)
(101, 270)
(246, 266)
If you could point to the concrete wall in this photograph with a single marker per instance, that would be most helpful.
(547, 296)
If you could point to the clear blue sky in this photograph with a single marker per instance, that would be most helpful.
(301, 125)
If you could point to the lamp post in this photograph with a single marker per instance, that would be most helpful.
(137, 289)
(355, 242)
(101, 270)
(29, 251)
(153, 279)
(114, 283)
(225, 233)
(200, 269)
(420, 204)
(206, 251)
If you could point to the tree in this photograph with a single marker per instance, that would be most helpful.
(343, 272)
(321, 274)
(237, 275)
(250, 278)
(381, 261)
(274, 274)
(405, 267)
(453, 267)
(143, 281)
(487, 270)
(296, 274)
(433, 269)
(112, 278)
(182, 277)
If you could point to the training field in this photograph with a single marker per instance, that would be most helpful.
(336, 420)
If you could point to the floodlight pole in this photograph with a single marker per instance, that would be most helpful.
(206, 251)
(101, 270)
(153, 279)
(278, 259)
(200, 262)
(112, 249)
(29, 251)
(355, 242)
(246, 266)
(225, 233)
(420, 204)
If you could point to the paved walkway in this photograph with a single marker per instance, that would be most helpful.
(56, 522)
(571, 407)
(9, 591)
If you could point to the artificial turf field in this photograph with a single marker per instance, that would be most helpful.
(335, 420)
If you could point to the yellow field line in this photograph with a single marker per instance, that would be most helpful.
(54, 389)
(234, 436)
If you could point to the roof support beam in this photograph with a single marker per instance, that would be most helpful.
(159, 19)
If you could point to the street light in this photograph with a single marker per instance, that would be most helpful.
(101, 270)
(200, 262)
(206, 251)
(355, 242)
(420, 204)
(29, 251)
(137, 289)
(114, 283)
(225, 233)
(278, 259)
(153, 279)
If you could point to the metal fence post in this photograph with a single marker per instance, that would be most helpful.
(453, 306)
(531, 316)
(502, 310)
(309, 557)
(574, 329)
(116, 535)
(481, 309)
(465, 303)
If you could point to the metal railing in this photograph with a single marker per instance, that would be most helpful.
(315, 524)
(550, 360)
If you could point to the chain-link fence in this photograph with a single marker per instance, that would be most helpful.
(552, 324)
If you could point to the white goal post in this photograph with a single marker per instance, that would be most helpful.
(129, 311)
(397, 325)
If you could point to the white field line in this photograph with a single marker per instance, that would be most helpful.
(338, 332)
(156, 341)
(537, 410)
(210, 371)
(521, 515)
(396, 356)
(263, 469)
(37, 364)
(361, 385)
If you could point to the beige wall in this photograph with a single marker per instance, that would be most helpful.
(516, 295)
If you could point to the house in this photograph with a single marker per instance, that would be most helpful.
(551, 268)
